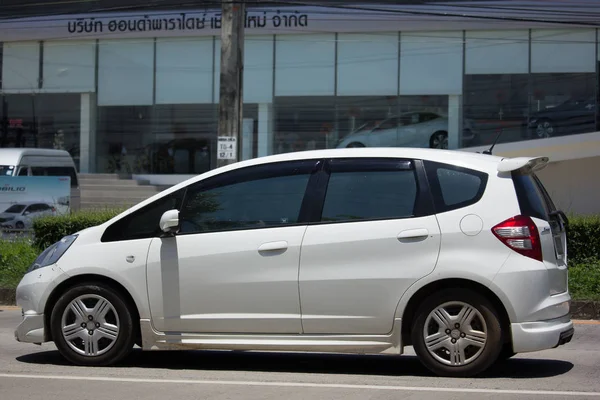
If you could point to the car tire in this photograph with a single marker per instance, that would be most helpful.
(20, 225)
(92, 325)
(506, 352)
(355, 144)
(439, 140)
(446, 347)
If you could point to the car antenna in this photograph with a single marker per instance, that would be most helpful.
(489, 151)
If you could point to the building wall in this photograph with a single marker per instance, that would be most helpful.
(574, 185)
(122, 99)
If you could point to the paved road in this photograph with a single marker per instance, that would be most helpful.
(38, 372)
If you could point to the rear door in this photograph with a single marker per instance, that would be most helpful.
(374, 235)
(536, 203)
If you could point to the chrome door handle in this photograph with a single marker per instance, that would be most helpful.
(413, 234)
(273, 246)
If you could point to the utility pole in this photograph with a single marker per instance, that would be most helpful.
(233, 18)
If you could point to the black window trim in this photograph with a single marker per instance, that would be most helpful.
(313, 167)
(440, 206)
(423, 201)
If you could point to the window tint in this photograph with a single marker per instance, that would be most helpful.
(56, 171)
(254, 203)
(23, 171)
(355, 196)
(531, 200)
(143, 223)
(454, 187)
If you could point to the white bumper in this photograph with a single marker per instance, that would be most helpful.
(32, 293)
(541, 335)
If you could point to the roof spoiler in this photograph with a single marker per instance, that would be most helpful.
(525, 165)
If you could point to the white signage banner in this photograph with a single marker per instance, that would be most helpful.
(302, 19)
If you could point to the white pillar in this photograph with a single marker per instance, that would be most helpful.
(265, 129)
(454, 121)
(87, 133)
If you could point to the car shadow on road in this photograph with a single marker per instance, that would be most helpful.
(516, 368)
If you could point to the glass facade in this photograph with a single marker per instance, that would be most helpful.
(150, 105)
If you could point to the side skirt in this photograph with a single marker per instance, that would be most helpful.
(364, 344)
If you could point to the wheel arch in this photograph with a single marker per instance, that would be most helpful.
(409, 311)
(65, 285)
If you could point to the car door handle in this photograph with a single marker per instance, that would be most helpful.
(273, 246)
(413, 234)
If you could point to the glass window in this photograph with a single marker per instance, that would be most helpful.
(305, 65)
(122, 139)
(303, 123)
(184, 139)
(7, 170)
(458, 187)
(454, 187)
(367, 64)
(48, 120)
(15, 209)
(143, 223)
(492, 103)
(431, 63)
(56, 171)
(254, 200)
(531, 200)
(365, 195)
(562, 104)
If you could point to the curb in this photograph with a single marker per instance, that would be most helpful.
(580, 310)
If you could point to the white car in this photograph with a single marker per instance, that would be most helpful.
(411, 129)
(21, 215)
(461, 255)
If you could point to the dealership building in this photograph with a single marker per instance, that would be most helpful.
(138, 92)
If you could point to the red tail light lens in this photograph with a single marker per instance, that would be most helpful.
(520, 234)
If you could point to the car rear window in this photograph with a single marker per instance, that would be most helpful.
(532, 196)
(454, 187)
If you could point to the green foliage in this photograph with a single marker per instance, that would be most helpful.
(15, 257)
(583, 239)
(49, 230)
(584, 281)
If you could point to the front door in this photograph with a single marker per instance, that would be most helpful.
(233, 266)
(377, 236)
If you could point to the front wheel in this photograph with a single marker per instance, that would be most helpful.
(92, 325)
(457, 333)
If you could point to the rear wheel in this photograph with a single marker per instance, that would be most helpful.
(457, 333)
(439, 140)
(355, 144)
(92, 325)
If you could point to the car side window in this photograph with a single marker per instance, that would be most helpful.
(454, 187)
(385, 191)
(143, 223)
(56, 171)
(23, 171)
(267, 196)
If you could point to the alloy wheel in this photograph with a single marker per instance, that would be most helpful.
(455, 333)
(90, 325)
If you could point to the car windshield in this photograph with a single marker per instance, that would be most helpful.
(15, 209)
(367, 126)
(7, 170)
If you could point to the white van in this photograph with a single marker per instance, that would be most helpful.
(41, 162)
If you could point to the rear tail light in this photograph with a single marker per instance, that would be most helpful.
(520, 234)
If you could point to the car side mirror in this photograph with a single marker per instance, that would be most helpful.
(27, 213)
(169, 222)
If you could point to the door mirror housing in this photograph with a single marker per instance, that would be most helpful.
(169, 222)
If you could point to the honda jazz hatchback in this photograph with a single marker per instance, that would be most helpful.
(460, 255)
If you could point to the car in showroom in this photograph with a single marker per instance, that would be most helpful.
(575, 115)
(460, 255)
(411, 129)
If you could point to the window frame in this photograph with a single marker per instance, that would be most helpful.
(440, 206)
(257, 172)
(423, 201)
